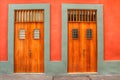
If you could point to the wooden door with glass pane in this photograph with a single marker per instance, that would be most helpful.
(82, 41)
(29, 41)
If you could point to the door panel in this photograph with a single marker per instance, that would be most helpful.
(93, 48)
(21, 49)
(70, 49)
(36, 47)
(82, 51)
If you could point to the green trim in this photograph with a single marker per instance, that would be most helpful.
(8, 67)
(102, 66)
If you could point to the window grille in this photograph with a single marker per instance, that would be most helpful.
(82, 15)
(29, 15)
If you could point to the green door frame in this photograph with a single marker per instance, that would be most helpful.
(103, 67)
(8, 66)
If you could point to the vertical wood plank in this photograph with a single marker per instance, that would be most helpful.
(88, 49)
(76, 49)
(26, 56)
(42, 47)
(70, 48)
(93, 47)
(80, 61)
(84, 64)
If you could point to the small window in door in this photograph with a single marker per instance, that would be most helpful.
(36, 34)
(75, 33)
(89, 33)
(22, 34)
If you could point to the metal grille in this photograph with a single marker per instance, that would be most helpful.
(81, 15)
(29, 15)
(89, 33)
(74, 33)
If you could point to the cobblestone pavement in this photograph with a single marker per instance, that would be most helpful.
(49, 77)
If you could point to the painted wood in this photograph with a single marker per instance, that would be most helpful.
(82, 52)
(29, 52)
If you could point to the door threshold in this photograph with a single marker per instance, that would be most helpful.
(28, 73)
(82, 73)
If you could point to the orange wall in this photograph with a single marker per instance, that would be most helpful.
(111, 26)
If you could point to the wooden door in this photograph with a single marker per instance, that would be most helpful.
(82, 41)
(29, 41)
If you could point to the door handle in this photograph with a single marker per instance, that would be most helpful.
(30, 53)
(83, 53)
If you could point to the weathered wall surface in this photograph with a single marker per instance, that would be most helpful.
(111, 26)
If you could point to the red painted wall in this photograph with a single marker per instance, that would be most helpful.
(111, 26)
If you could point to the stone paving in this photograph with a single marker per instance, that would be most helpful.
(49, 77)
